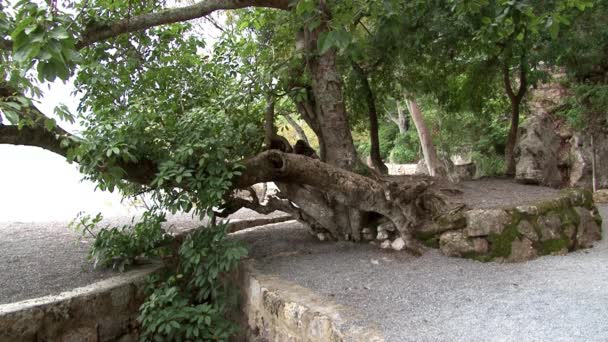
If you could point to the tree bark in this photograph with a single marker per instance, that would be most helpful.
(299, 130)
(375, 157)
(401, 120)
(515, 99)
(434, 165)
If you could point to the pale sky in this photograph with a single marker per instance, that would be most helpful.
(38, 185)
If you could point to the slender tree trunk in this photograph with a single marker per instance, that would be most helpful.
(299, 130)
(375, 157)
(401, 120)
(436, 169)
(269, 129)
(516, 99)
(512, 138)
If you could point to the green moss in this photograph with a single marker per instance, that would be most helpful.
(500, 244)
(579, 197)
(432, 242)
(478, 257)
(551, 246)
(452, 220)
(556, 204)
(569, 217)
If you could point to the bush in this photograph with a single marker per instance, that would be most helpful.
(118, 247)
(194, 302)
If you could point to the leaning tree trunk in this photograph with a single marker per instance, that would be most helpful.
(376, 159)
(436, 169)
(299, 130)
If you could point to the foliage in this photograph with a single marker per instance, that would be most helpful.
(120, 247)
(193, 303)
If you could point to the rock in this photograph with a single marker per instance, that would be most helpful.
(522, 250)
(588, 229)
(536, 153)
(600, 196)
(388, 226)
(550, 227)
(483, 222)
(368, 236)
(526, 229)
(398, 244)
(455, 243)
(550, 152)
(385, 244)
(580, 168)
(528, 209)
(463, 172)
(421, 168)
(382, 235)
(563, 251)
(366, 230)
(321, 236)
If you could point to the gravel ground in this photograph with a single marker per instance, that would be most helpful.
(436, 298)
(44, 258)
(497, 192)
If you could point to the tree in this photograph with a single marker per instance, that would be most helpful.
(163, 119)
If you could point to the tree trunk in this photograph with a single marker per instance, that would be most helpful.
(401, 120)
(376, 159)
(436, 169)
(512, 138)
(516, 99)
(299, 130)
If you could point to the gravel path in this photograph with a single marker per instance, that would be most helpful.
(436, 298)
(44, 258)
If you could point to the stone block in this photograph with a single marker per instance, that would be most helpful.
(483, 222)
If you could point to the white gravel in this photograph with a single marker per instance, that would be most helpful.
(436, 298)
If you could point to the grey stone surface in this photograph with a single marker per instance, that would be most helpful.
(588, 230)
(522, 250)
(550, 226)
(456, 243)
(536, 152)
(437, 298)
(526, 229)
(485, 222)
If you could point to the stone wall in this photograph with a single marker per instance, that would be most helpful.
(557, 226)
(567, 223)
(104, 311)
(272, 309)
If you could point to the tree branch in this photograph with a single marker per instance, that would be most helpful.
(169, 16)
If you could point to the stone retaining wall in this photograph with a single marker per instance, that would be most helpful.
(104, 311)
(272, 309)
(566, 223)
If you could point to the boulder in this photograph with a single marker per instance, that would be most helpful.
(588, 229)
(483, 222)
(522, 250)
(398, 244)
(601, 196)
(526, 229)
(550, 227)
(456, 243)
(536, 153)
(463, 172)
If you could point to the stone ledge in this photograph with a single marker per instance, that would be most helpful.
(557, 226)
(273, 309)
(103, 311)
